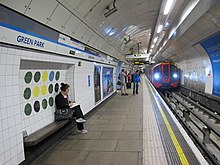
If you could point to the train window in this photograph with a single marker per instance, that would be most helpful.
(165, 71)
(157, 69)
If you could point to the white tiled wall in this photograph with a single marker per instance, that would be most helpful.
(12, 119)
(194, 63)
(11, 142)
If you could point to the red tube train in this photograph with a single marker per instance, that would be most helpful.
(165, 75)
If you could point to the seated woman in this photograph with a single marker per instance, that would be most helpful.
(62, 101)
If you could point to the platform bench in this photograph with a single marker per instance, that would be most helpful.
(43, 133)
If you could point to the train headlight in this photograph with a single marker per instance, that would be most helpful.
(156, 76)
(174, 75)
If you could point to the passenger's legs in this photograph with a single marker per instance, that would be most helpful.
(122, 88)
(136, 88)
(80, 126)
(125, 89)
(78, 112)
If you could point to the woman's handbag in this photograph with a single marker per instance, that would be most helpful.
(64, 114)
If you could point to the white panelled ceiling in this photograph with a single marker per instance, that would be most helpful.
(132, 27)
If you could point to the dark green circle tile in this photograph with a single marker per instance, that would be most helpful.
(36, 106)
(50, 88)
(27, 109)
(44, 103)
(27, 93)
(57, 75)
(37, 77)
(56, 87)
(28, 77)
(51, 101)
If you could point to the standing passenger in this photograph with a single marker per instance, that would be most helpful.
(62, 102)
(123, 78)
(136, 80)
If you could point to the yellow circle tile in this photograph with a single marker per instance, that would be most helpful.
(44, 90)
(36, 91)
(45, 76)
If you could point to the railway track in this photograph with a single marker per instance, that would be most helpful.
(202, 124)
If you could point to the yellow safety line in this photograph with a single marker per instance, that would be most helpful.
(179, 150)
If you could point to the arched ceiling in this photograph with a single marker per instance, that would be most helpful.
(132, 27)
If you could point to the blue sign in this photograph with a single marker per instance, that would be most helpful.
(212, 47)
(89, 80)
(30, 41)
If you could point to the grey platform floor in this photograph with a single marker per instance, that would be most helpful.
(115, 136)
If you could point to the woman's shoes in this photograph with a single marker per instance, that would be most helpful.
(80, 120)
(83, 131)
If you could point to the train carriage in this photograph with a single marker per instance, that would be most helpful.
(165, 75)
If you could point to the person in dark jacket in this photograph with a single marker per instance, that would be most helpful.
(136, 80)
(62, 102)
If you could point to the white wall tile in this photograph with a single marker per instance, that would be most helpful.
(13, 142)
(14, 160)
(6, 145)
(1, 148)
(19, 142)
(2, 70)
(1, 136)
(3, 58)
(4, 50)
(18, 128)
(5, 124)
(3, 113)
(16, 70)
(9, 80)
(7, 155)
(20, 156)
(10, 59)
(11, 51)
(12, 132)
(2, 81)
(16, 59)
(9, 99)
(2, 158)
(3, 92)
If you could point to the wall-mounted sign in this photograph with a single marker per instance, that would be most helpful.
(89, 80)
(212, 47)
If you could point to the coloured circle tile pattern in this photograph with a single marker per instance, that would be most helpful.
(56, 87)
(51, 76)
(51, 101)
(27, 109)
(37, 77)
(27, 93)
(45, 76)
(28, 77)
(36, 91)
(50, 88)
(44, 90)
(36, 106)
(44, 103)
(57, 75)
